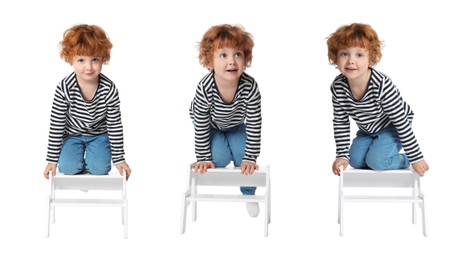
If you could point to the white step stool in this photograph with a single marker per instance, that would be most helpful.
(404, 178)
(85, 182)
(226, 177)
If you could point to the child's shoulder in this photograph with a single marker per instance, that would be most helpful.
(246, 78)
(106, 84)
(69, 78)
(340, 80)
(105, 79)
(206, 82)
(380, 77)
(340, 77)
(379, 74)
(207, 77)
(67, 83)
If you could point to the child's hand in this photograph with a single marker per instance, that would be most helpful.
(123, 167)
(248, 167)
(201, 167)
(51, 167)
(336, 165)
(420, 167)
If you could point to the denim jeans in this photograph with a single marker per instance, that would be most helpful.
(84, 153)
(229, 145)
(378, 151)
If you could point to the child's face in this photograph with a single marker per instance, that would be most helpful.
(353, 62)
(228, 64)
(87, 68)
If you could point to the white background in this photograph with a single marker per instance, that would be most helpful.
(154, 64)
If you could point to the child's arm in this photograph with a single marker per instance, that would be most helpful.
(114, 124)
(50, 168)
(57, 123)
(253, 125)
(340, 122)
(56, 129)
(201, 167)
(399, 113)
(200, 114)
(123, 167)
(336, 165)
(247, 168)
(420, 167)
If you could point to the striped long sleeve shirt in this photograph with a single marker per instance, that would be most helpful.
(72, 115)
(380, 107)
(209, 110)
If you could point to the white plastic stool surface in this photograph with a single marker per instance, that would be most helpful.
(404, 178)
(225, 177)
(86, 182)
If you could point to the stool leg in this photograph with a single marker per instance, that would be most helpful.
(194, 203)
(53, 214)
(339, 207)
(123, 215)
(183, 214)
(340, 216)
(125, 219)
(414, 213)
(49, 218)
(266, 216)
(269, 208)
(415, 194)
(424, 218)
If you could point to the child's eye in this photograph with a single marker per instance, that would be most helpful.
(96, 60)
(80, 60)
(222, 55)
(238, 54)
(360, 55)
(343, 54)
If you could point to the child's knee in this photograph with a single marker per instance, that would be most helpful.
(221, 160)
(248, 190)
(358, 164)
(357, 161)
(71, 168)
(398, 161)
(99, 169)
(377, 163)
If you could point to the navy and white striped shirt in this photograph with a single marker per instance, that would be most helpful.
(380, 107)
(209, 110)
(72, 115)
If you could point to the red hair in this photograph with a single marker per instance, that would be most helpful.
(85, 40)
(225, 35)
(354, 35)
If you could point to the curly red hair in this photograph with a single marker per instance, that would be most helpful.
(85, 40)
(225, 35)
(354, 35)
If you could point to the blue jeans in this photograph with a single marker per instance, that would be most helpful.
(229, 145)
(83, 153)
(378, 151)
